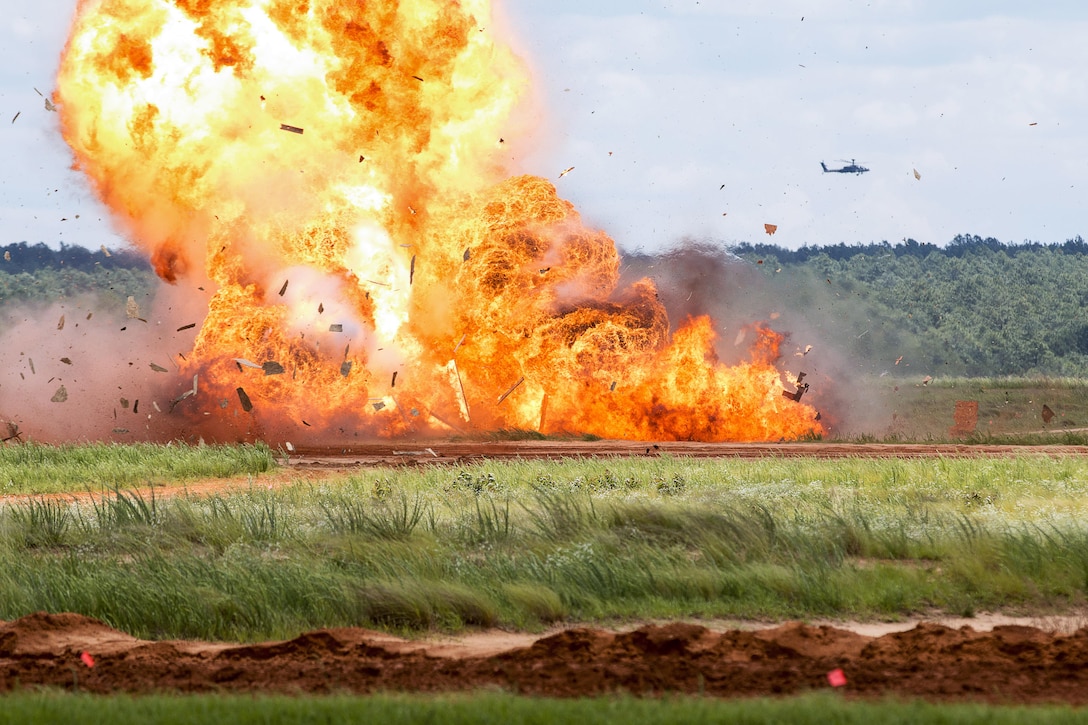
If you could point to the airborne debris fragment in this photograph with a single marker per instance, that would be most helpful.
(802, 388)
(464, 257)
(87, 659)
(770, 228)
(66, 361)
(15, 116)
(7, 256)
(292, 129)
(60, 396)
(272, 368)
(60, 323)
(379, 405)
(612, 387)
(512, 389)
(836, 678)
(917, 176)
(13, 432)
(132, 310)
(1048, 414)
(320, 307)
(190, 326)
(565, 171)
(336, 327)
(106, 251)
(393, 384)
(247, 404)
(158, 368)
(345, 368)
(283, 289)
(412, 270)
(49, 105)
(418, 78)
(927, 380)
(806, 351)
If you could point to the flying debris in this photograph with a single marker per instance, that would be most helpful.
(851, 168)
(60, 323)
(132, 310)
(158, 368)
(512, 389)
(770, 228)
(412, 270)
(292, 129)
(1048, 414)
(247, 404)
(60, 396)
(917, 175)
(283, 289)
(15, 116)
(190, 326)
(272, 368)
(565, 171)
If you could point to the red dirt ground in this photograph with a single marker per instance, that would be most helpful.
(1009, 664)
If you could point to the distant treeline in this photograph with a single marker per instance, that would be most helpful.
(962, 244)
(974, 307)
(23, 257)
(37, 273)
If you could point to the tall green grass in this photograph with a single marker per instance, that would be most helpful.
(38, 468)
(31, 708)
(526, 544)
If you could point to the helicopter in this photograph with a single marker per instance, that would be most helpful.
(851, 168)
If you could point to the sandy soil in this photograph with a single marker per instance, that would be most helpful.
(1009, 663)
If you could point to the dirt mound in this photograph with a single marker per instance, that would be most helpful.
(1009, 664)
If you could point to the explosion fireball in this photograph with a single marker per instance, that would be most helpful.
(333, 170)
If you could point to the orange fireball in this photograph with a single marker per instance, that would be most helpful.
(331, 169)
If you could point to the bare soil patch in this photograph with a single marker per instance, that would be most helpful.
(1010, 663)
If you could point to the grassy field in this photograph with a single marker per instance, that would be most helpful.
(506, 709)
(39, 468)
(527, 544)
(1009, 409)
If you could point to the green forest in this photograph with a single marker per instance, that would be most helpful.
(973, 307)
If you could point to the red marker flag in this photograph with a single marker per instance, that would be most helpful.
(836, 678)
(87, 659)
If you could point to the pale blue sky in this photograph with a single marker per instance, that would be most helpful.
(689, 96)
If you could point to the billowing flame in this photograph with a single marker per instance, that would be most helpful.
(333, 170)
